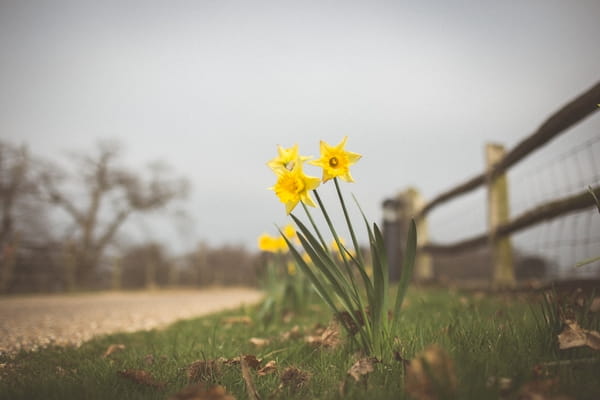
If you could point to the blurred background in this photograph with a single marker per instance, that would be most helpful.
(134, 135)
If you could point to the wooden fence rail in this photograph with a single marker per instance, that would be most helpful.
(572, 113)
(494, 178)
(543, 212)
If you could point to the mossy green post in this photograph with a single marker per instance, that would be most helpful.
(499, 213)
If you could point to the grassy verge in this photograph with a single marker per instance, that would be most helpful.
(497, 347)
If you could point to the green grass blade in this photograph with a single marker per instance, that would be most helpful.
(407, 271)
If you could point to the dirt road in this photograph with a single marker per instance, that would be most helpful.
(36, 321)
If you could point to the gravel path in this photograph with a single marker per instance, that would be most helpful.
(37, 321)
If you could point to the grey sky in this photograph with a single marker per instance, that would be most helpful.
(211, 87)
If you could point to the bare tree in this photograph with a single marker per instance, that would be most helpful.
(111, 194)
(15, 185)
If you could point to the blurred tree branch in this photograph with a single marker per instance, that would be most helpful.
(111, 193)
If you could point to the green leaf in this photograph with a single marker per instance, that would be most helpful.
(321, 290)
(322, 252)
(407, 271)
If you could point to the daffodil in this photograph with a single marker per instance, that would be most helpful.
(272, 244)
(289, 231)
(294, 186)
(267, 242)
(336, 161)
(286, 158)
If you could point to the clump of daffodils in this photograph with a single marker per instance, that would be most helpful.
(286, 292)
(354, 289)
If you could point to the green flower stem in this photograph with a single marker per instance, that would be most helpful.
(337, 240)
(350, 228)
(312, 222)
(346, 265)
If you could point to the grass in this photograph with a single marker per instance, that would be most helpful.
(487, 338)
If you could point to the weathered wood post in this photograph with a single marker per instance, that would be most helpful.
(498, 214)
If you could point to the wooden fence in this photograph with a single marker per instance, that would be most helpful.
(500, 226)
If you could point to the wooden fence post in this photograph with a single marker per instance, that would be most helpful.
(498, 214)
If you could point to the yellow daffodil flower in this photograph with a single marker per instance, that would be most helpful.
(289, 231)
(286, 158)
(294, 185)
(272, 244)
(281, 244)
(267, 242)
(336, 161)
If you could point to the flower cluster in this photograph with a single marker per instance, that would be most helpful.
(294, 186)
(354, 288)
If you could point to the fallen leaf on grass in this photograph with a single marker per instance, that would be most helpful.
(203, 370)
(595, 305)
(250, 388)
(294, 378)
(574, 336)
(199, 392)
(541, 389)
(113, 348)
(362, 368)
(329, 338)
(206, 369)
(430, 375)
(352, 326)
(239, 319)
(250, 360)
(502, 384)
(149, 359)
(141, 377)
(269, 368)
(293, 333)
(259, 342)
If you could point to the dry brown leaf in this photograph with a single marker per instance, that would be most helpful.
(250, 388)
(574, 336)
(293, 333)
(502, 384)
(362, 368)
(287, 317)
(541, 389)
(203, 370)
(149, 359)
(329, 338)
(199, 392)
(113, 348)
(595, 305)
(238, 319)
(141, 377)
(294, 378)
(259, 342)
(269, 368)
(350, 324)
(430, 375)
(250, 360)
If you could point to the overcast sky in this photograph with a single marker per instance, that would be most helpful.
(211, 87)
